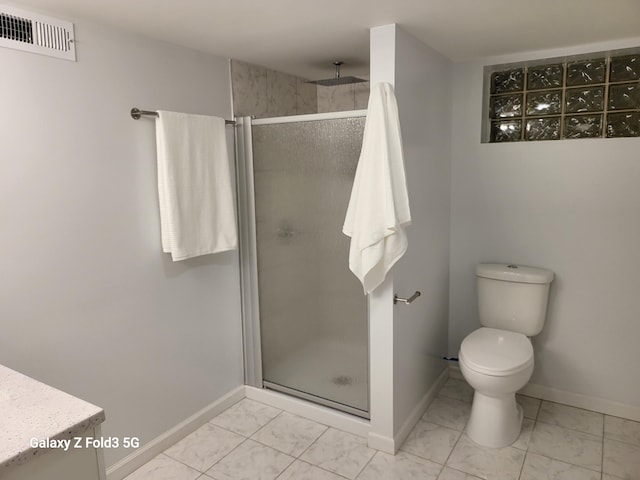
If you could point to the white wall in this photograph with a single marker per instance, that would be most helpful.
(571, 206)
(407, 342)
(382, 47)
(89, 304)
(423, 91)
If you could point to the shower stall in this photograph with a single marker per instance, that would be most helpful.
(305, 313)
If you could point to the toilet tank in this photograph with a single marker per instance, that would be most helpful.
(513, 297)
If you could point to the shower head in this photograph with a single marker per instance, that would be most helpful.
(337, 80)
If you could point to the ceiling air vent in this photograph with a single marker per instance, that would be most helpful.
(32, 32)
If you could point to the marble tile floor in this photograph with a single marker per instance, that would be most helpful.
(254, 441)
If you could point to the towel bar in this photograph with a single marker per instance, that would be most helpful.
(406, 301)
(136, 113)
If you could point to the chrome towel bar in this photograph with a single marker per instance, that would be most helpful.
(406, 301)
(136, 113)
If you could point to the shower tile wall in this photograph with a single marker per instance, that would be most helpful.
(261, 92)
(281, 94)
(307, 97)
(343, 97)
(361, 95)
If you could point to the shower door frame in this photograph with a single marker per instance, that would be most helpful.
(250, 301)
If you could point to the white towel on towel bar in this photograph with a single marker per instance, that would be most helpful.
(194, 185)
(378, 209)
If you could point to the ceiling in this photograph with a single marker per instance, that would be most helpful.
(303, 37)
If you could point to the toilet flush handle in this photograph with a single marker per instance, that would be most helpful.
(406, 301)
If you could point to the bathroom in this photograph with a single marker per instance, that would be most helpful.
(91, 306)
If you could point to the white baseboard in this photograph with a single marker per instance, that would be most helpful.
(419, 410)
(381, 442)
(392, 445)
(317, 413)
(595, 404)
(454, 371)
(159, 444)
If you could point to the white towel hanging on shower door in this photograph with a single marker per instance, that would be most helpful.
(194, 185)
(378, 209)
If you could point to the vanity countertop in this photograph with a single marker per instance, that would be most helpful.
(29, 409)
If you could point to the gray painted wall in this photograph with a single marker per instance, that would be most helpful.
(89, 304)
(571, 206)
(407, 341)
(423, 86)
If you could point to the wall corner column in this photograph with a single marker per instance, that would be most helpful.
(381, 434)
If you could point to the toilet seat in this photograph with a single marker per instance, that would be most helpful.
(496, 352)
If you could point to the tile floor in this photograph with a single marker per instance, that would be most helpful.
(254, 441)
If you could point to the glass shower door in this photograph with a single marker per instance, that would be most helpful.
(313, 313)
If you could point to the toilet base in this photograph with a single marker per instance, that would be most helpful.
(495, 422)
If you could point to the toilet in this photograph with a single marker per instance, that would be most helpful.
(497, 359)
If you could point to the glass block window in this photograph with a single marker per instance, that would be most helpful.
(594, 96)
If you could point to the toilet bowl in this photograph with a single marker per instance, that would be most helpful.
(497, 359)
(496, 363)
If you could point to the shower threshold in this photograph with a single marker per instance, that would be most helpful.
(327, 371)
(315, 399)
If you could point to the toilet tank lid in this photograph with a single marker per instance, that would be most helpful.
(514, 273)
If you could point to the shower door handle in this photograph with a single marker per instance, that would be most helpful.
(406, 301)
